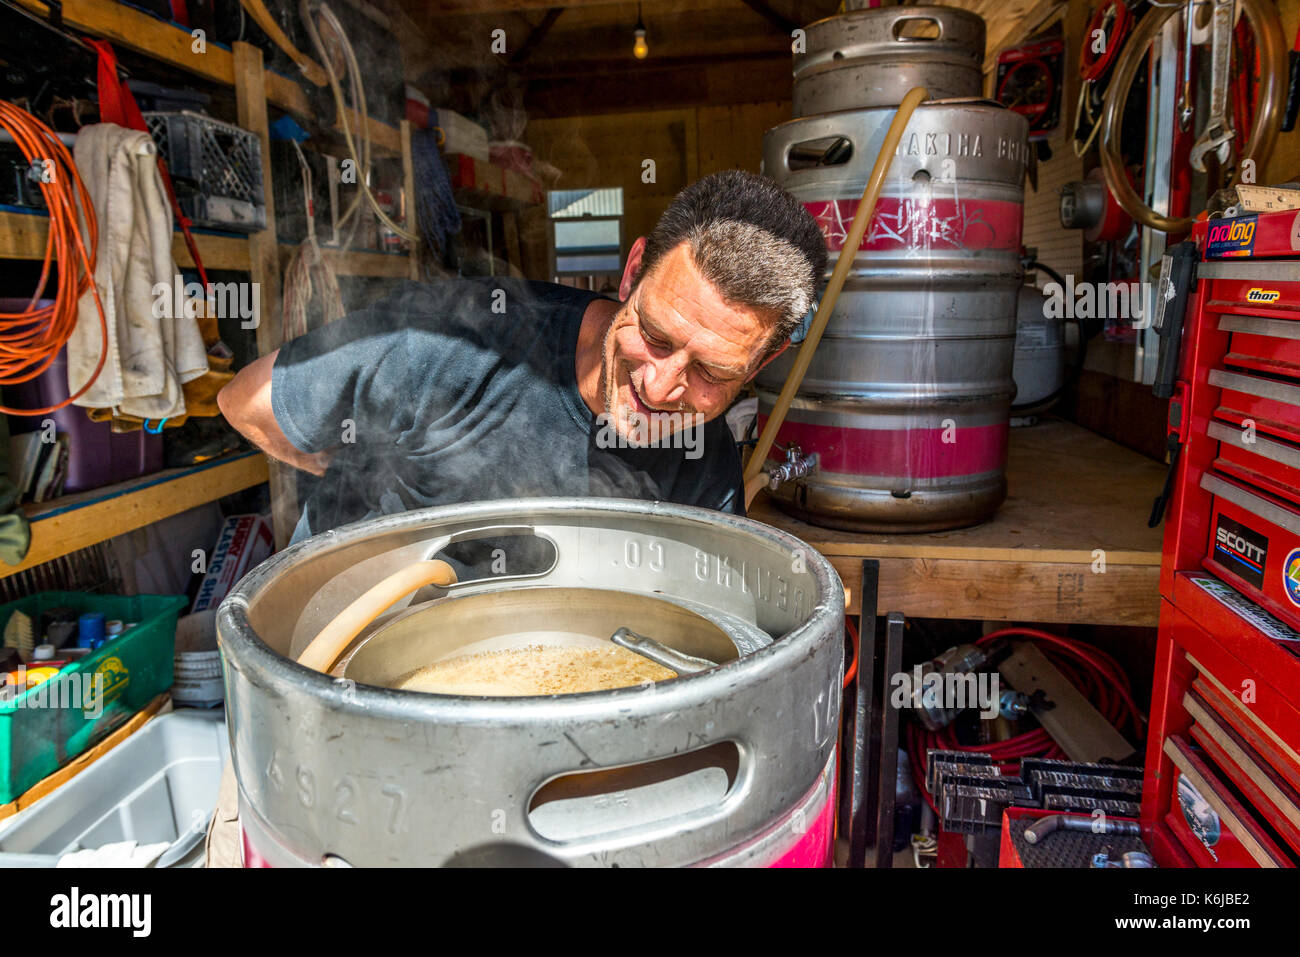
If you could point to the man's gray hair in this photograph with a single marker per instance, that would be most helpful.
(751, 239)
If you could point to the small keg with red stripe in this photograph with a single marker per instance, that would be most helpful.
(906, 402)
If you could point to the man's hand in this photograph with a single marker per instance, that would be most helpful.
(246, 404)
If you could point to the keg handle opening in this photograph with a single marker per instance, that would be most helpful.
(902, 22)
(334, 638)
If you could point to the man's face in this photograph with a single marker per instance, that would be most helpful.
(677, 353)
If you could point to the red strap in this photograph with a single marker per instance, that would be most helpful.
(117, 105)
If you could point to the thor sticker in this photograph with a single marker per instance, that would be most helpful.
(1256, 294)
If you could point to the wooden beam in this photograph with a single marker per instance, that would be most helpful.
(264, 267)
(764, 10)
(456, 8)
(172, 44)
(1009, 590)
(24, 235)
(1022, 29)
(536, 36)
(79, 521)
(408, 188)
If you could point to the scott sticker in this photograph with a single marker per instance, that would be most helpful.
(1291, 576)
(1242, 550)
(1231, 237)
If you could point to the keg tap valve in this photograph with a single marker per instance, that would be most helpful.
(796, 465)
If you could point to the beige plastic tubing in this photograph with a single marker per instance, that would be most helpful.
(754, 479)
(326, 647)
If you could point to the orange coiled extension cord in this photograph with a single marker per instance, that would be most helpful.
(30, 340)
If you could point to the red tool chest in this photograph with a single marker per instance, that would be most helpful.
(1222, 782)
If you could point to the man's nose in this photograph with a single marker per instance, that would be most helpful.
(665, 382)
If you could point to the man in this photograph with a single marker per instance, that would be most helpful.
(497, 388)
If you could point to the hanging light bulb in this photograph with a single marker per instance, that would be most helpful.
(640, 49)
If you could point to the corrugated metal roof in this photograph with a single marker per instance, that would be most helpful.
(573, 203)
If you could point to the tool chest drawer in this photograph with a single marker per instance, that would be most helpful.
(1271, 794)
(1262, 342)
(1273, 405)
(1255, 544)
(1209, 820)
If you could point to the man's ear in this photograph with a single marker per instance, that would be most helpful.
(632, 268)
(770, 356)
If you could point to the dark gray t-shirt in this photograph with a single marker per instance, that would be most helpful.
(466, 390)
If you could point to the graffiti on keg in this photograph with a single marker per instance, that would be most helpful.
(921, 225)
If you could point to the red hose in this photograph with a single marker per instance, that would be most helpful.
(1091, 65)
(851, 672)
(1096, 674)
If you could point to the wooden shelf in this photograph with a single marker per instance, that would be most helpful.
(488, 186)
(173, 44)
(87, 518)
(359, 262)
(24, 235)
(1071, 494)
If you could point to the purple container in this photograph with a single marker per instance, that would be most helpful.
(96, 454)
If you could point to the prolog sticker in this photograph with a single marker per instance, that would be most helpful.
(1230, 238)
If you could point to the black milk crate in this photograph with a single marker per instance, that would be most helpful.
(216, 169)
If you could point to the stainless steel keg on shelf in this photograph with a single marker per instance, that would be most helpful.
(868, 58)
(906, 401)
(731, 765)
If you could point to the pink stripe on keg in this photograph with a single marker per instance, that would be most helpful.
(913, 453)
(814, 848)
(940, 224)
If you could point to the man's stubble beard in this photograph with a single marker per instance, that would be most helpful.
(609, 390)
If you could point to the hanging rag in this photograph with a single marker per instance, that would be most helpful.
(151, 353)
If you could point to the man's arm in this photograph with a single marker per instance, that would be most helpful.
(246, 404)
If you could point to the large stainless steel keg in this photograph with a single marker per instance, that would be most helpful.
(732, 765)
(906, 401)
(869, 58)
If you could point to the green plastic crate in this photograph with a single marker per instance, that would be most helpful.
(44, 727)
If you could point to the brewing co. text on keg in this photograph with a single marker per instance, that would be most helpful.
(746, 575)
